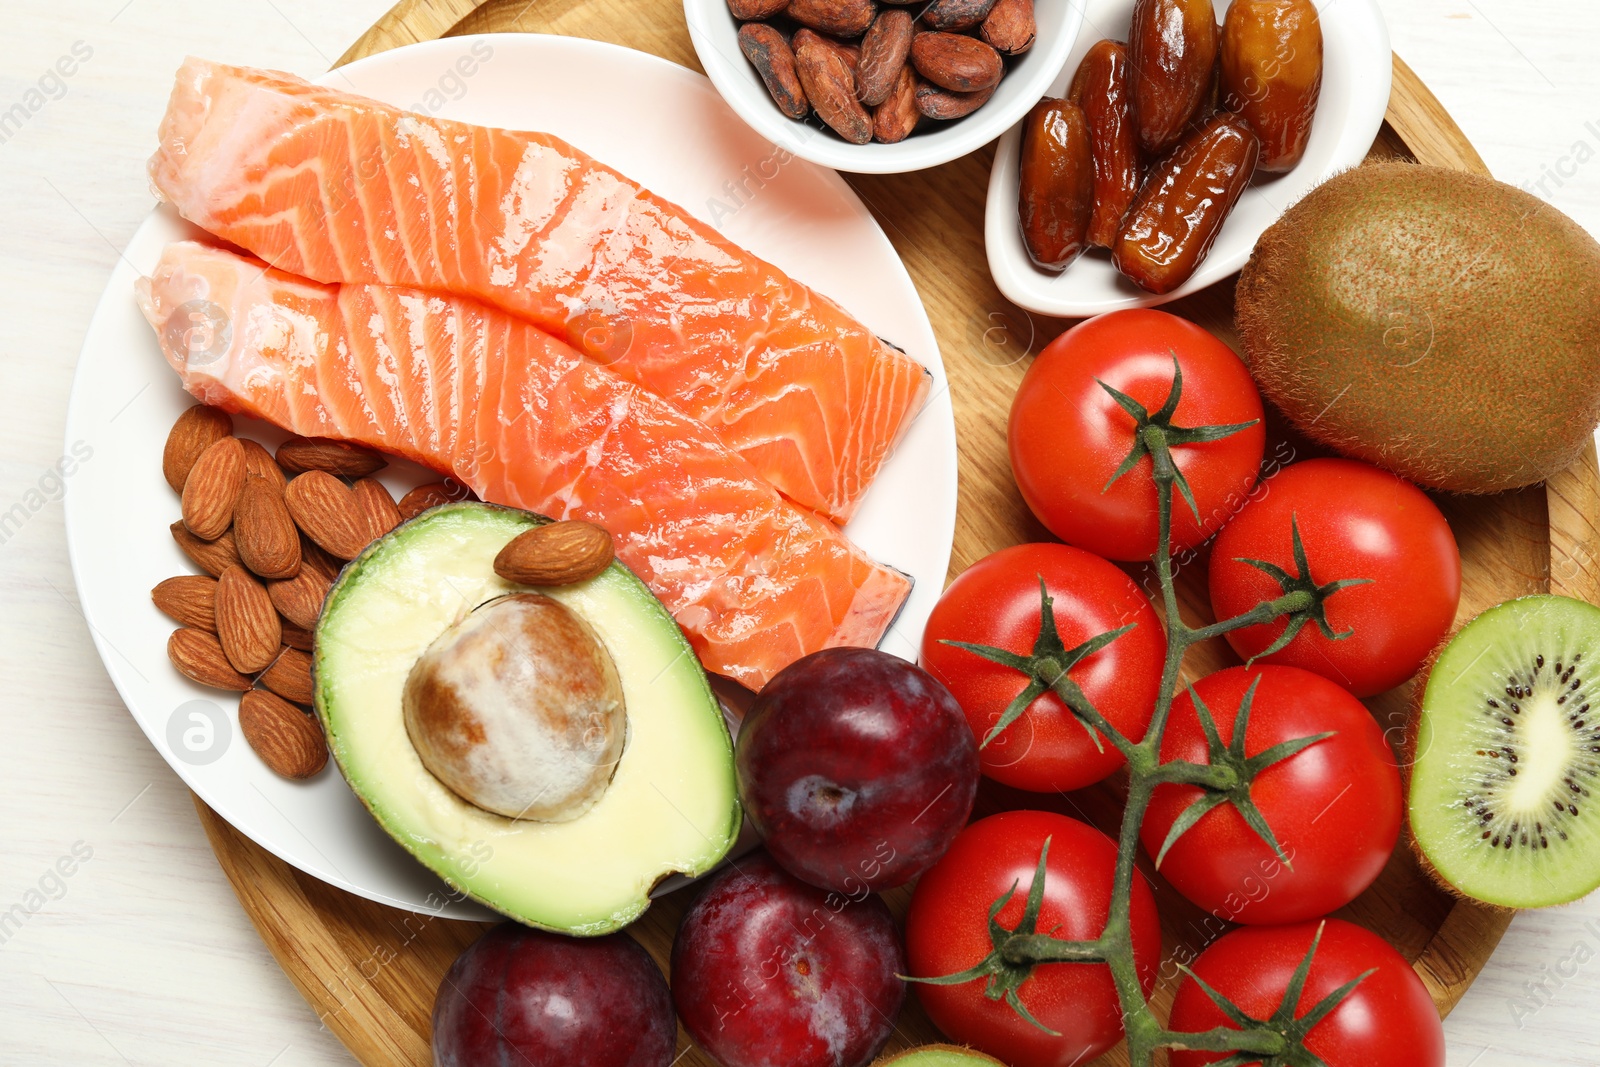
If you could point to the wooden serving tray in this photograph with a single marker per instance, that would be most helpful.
(370, 971)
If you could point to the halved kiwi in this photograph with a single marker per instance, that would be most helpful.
(940, 1056)
(1505, 751)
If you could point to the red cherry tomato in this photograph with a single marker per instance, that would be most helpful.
(947, 931)
(996, 602)
(1355, 521)
(1067, 435)
(1387, 1021)
(1334, 806)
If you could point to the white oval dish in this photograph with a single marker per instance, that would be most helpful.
(1357, 69)
(657, 122)
(714, 31)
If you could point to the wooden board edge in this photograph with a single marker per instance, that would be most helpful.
(1573, 498)
(1416, 115)
(410, 22)
(1447, 965)
(1470, 933)
(356, 1012)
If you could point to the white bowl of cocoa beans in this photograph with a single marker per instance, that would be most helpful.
(882, 86)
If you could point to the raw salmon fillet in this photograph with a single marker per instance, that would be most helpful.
(525, 421)
(340, 188)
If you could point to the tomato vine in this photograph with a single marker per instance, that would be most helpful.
(1225, 778)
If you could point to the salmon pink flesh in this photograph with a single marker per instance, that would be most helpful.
(340, 188)
(524, 420)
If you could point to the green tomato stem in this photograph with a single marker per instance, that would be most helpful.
(1024, 949)
(1145, 771)
(1017, 951)
(1226, 1039)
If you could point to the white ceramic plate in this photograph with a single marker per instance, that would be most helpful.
(714, 31)
(663, 125)
(1357, 66)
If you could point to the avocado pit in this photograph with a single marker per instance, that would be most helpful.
(518, 709)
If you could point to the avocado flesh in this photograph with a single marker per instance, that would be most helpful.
(672, 805)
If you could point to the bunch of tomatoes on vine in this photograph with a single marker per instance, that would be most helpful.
(1265, 792)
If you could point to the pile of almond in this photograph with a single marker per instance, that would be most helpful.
(871, 72)
(271, 535)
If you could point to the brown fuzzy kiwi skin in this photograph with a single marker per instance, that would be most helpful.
(977, 1057)
(1454, 341)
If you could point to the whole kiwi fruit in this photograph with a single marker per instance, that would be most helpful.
(1440, 324)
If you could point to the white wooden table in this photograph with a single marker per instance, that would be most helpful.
(124, 944)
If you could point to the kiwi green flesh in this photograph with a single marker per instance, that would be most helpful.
(1507, 755)
(940, 1056)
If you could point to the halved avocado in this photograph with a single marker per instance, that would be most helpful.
(671, 805)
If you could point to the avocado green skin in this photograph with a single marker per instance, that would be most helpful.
(1439, 324)
(324, 706)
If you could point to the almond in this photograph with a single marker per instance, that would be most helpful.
(831, 88)
(842, 18)
(264, 531)
(956, 62)
(956, 14)
(1010, 27)
(197, 429)
(559, 553)
(190, 599)
(313, 555)
(432, 495)
(301, 454)
(377, 507)
(329, 513)
(289, 676)
(199, 657)
(883, 56)
(289, 741)
(259, 462)
(247, 623)
(212, 487)
(213, 557)
(299, 599)
(298, 637)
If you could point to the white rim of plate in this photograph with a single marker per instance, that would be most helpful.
(936, 415)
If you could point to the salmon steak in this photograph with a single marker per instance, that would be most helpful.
(340, 188)
(524, 420)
